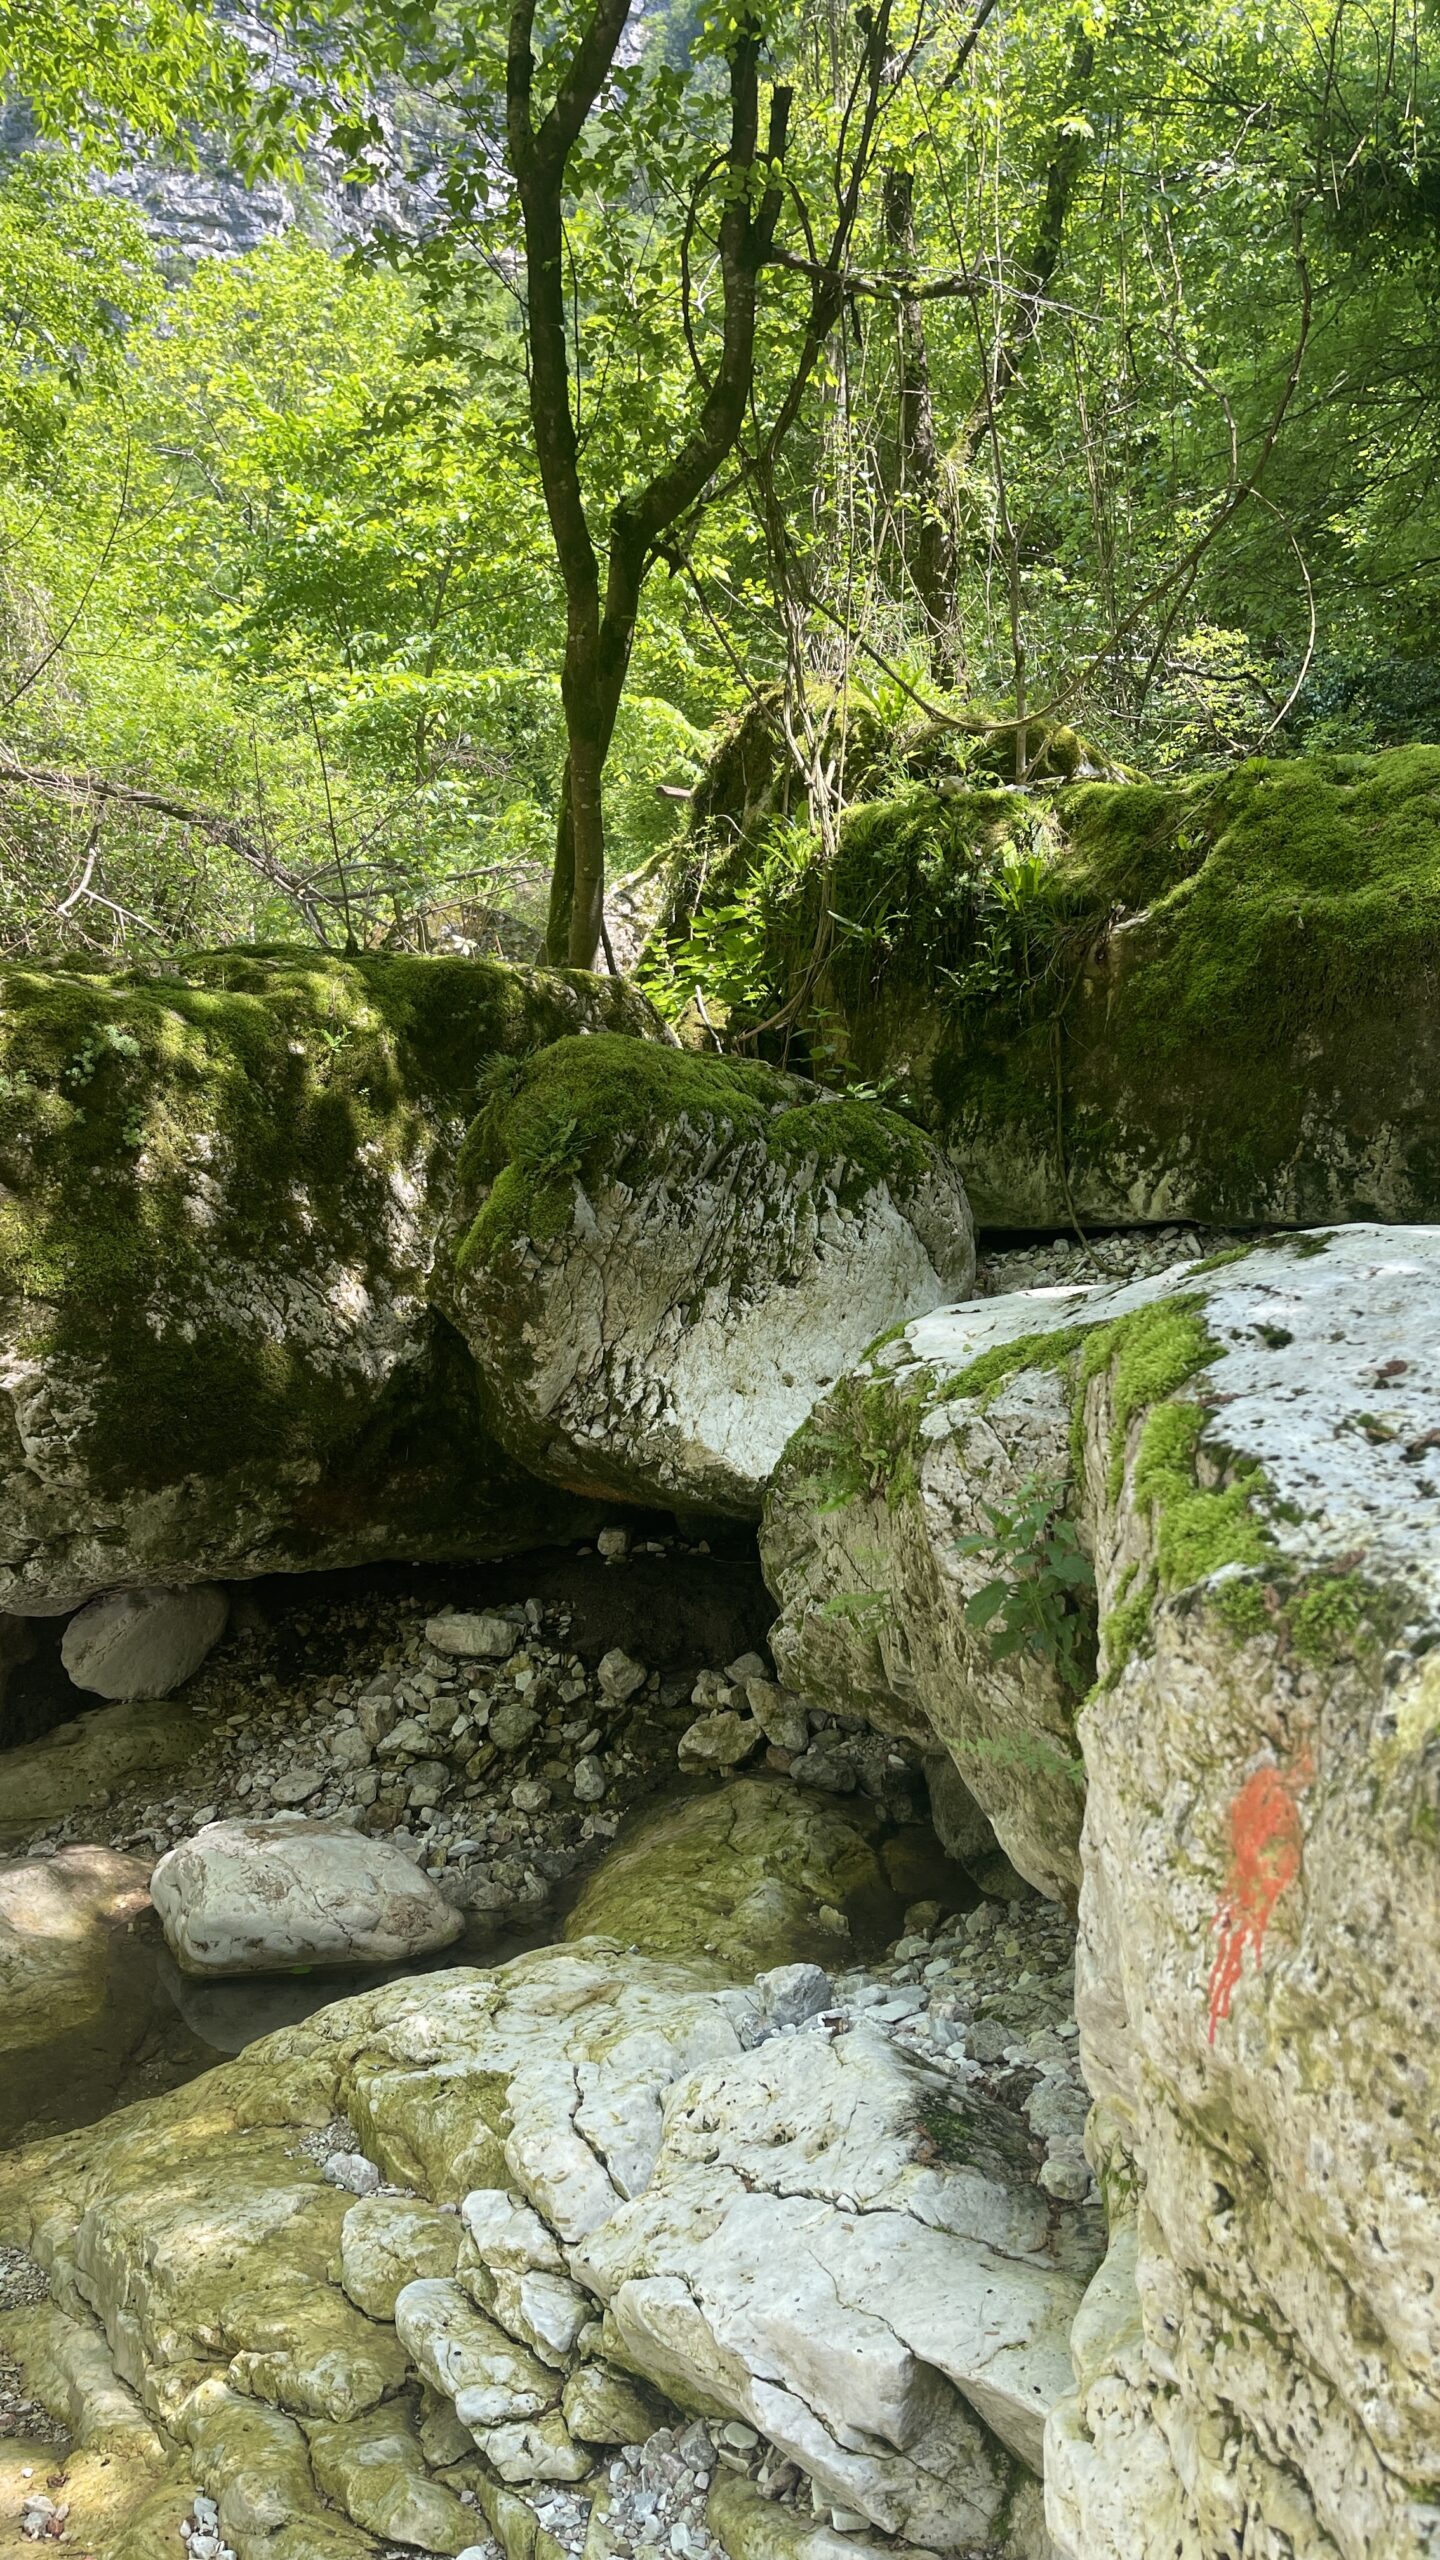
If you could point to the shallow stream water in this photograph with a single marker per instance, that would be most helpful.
(680, 1612)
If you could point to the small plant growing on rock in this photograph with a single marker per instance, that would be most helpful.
(1041, 1601)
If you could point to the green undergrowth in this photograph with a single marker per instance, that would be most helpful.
(589, 1108)
(863, 1444)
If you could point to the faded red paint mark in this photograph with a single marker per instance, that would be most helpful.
(1265, 1849)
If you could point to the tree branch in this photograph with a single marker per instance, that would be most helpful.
(210, 822)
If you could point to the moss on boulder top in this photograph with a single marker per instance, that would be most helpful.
(665, 1258)
(1214, 998)
(222, 1187)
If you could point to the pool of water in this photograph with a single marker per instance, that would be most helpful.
(158, 2027)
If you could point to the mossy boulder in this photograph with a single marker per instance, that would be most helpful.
(876, 1545)
(666, 1258)
(1123, 1002)
(752, 1874)
(1250, 1468)
(222, 1189)
(80, 1764)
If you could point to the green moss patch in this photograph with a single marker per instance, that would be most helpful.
(863, 1444)
(594, 1108)
(260, 1113)
(1284, 891)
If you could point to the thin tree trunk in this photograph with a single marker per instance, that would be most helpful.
(1062, 176)
(925, 527)
(598, 642)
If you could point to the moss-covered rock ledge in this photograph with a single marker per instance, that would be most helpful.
(1216, 999)
(222, 1190)
(667, 1258)
(1246, 1455)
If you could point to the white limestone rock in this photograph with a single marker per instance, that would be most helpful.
(253, 1897)
(472, 1635)
(657, 1300)
(791, 2258)
(1258, 1486)
(874, 1589)
(57, 1918)
(489, 2377)
(386, 2242)
(143, 1644)
(1257, 1986)
(617, 2136)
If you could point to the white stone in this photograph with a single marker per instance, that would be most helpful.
(790, 2259)
(508, 2232)
(387, 2242)
(143, 1644)
(720, 1741)
(546, 2312)
(1256, 1981)
(680, 1324)
(472, 1635)
(461, 2354)
(620, 1675)
(252, 1897)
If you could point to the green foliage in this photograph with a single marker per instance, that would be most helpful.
(1041, 1599)
(867, 1611)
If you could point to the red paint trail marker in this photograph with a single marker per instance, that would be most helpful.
(1265, 1851)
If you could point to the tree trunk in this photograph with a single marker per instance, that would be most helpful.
(926, 534)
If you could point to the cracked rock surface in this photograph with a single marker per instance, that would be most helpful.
(476, 2349)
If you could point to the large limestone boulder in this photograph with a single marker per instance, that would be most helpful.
(143, 1644)
(755, 1873)
(880, 1536)
(261, 1897)
(1257, 1988)
(786, 2204)
(872, 2272)
(1252, 1454)
(1207, 999)
(669, 1257)
(224, 1188)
